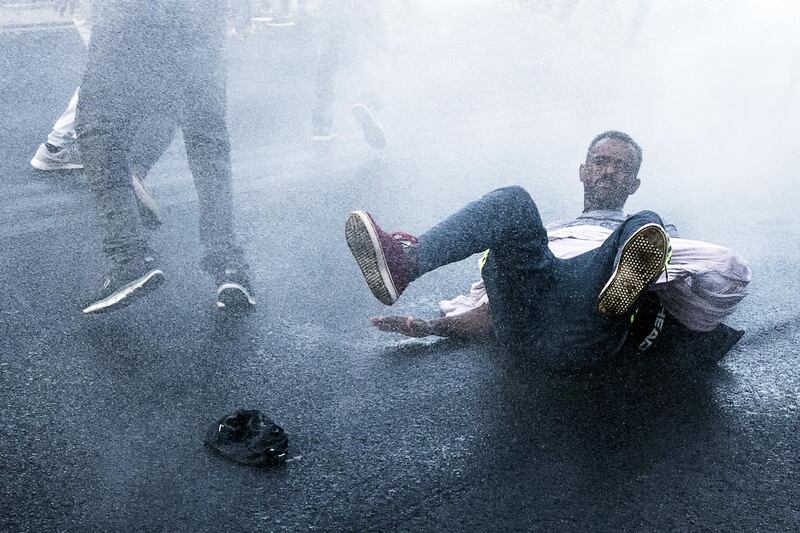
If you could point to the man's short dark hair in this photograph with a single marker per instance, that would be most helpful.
(619, 136)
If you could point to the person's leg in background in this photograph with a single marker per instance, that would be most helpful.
(368, 47)
(239, 16)
(283, 16)
(61, 151)
(331, 38)
(343, 52)
(325, 89)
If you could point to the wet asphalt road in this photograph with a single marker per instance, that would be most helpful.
(103, 417)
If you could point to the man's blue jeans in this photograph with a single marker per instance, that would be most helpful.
(539, 303)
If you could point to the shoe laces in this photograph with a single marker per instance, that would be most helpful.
(404, 238)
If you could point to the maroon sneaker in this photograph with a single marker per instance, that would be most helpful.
(383, 257)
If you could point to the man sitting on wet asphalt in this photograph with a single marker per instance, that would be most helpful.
(573, 292)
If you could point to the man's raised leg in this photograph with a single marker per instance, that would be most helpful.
(635, 254)
(505, 221)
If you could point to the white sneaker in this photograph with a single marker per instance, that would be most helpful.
(65, 158)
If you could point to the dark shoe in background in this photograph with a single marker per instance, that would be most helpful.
(373, 131)
(248, 438)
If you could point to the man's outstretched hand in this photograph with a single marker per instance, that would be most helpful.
(404, 325)
(474, 324)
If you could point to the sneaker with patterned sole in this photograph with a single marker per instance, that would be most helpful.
(50, 157)
(383, 258)
(640, 261)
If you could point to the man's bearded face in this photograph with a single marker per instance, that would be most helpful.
(609, 174)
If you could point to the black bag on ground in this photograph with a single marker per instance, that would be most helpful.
(248, 438)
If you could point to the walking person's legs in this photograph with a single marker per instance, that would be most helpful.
(60, 151)
(63, 131)
(149, 138)
(324, 92)
(283, 15)
(370, 66)
(103, 142)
